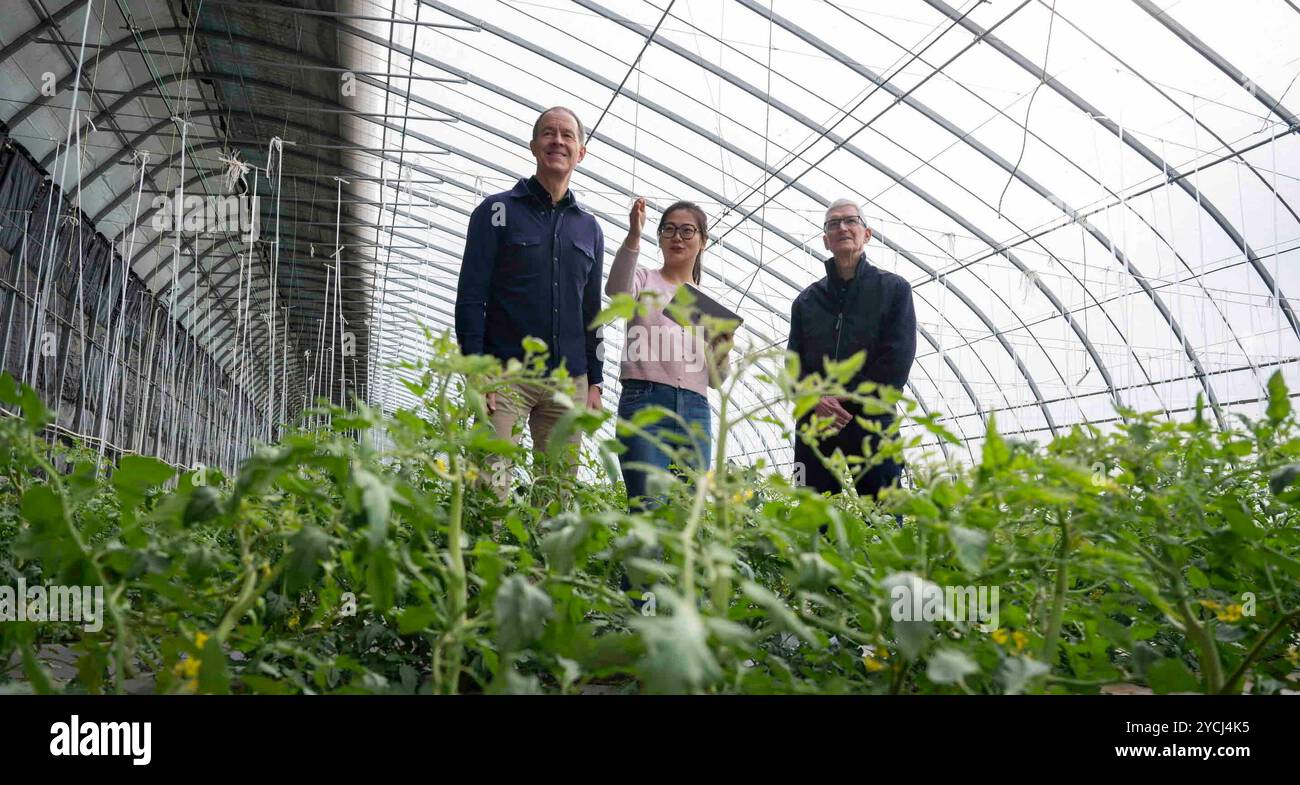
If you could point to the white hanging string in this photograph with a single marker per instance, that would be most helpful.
(1277, 252)
(276, 145)
(142, 156)
(337, 333)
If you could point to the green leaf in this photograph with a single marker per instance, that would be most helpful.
(649, 416)
(1238, 519)
(996, 452)
(204, 504)
(381, 579)
(562, 546)
(779, 614)
(843, 370)
(46, 537)
(521, 611)
(36, 672)
(534, 345)
(134, 476)
(970, 547)
(141, 472)
(1170, 675)
(920, 507)
(1284, 483)
(804, 404)
(213, 677)
(561, 432)
(678, 657)
(1017, 672)
(376, 501)
(1279, 403)
(1281, 561)
(34, 412)
(415, 618)
(949, 666)
(308, 547)
(621, 306)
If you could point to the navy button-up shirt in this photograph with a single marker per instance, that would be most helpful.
(532, 268)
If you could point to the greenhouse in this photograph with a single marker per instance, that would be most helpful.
(909, 347)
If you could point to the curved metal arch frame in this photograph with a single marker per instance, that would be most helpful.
(793, 241)
(264, 84)
(64, 9)
(965, 137)
(920, 193)
(1137, 146)
(1142, 219)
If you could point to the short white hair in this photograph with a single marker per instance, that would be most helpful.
(838, 203)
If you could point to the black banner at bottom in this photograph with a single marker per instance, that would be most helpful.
(147, 736)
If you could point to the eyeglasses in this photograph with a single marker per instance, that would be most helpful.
(685, 231)
(852, 222)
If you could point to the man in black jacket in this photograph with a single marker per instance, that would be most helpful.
(855, 307)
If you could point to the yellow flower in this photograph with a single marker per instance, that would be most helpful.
(873, 665)
(440, 464)
(471, 474)
(192, 685)
(999, 636)
(187, 668)
(1229, 614)
(293, 620)
(200, 638)
(1021, 640)
(1211, 604)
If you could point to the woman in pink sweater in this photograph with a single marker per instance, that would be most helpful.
(663, 364)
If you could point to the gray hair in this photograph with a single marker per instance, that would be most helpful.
(838, 203)
(537, 126)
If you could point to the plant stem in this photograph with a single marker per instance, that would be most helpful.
(1053, 633)
(1211, 668)
(1230, 684)
(688, 536)
(721, 597)
(458, 581)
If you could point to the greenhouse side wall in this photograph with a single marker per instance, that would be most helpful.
(105, 357)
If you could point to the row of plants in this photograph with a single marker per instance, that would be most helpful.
(371, 555)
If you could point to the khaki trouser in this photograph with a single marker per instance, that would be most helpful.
(534, 403)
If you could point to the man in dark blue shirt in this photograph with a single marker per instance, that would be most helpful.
(532, 267)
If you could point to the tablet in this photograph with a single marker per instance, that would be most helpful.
(701, 303)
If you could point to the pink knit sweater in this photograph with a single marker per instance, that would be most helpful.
(656, 349)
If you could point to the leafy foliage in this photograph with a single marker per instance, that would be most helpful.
(372, 555)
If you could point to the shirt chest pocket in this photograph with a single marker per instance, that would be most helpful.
(520, 253)
(583, 257)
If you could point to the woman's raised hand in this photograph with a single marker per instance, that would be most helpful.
(635, 220)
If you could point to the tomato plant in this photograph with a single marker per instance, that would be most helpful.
(371, 555)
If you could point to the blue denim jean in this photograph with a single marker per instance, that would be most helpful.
(690, 406)
(693, 409)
